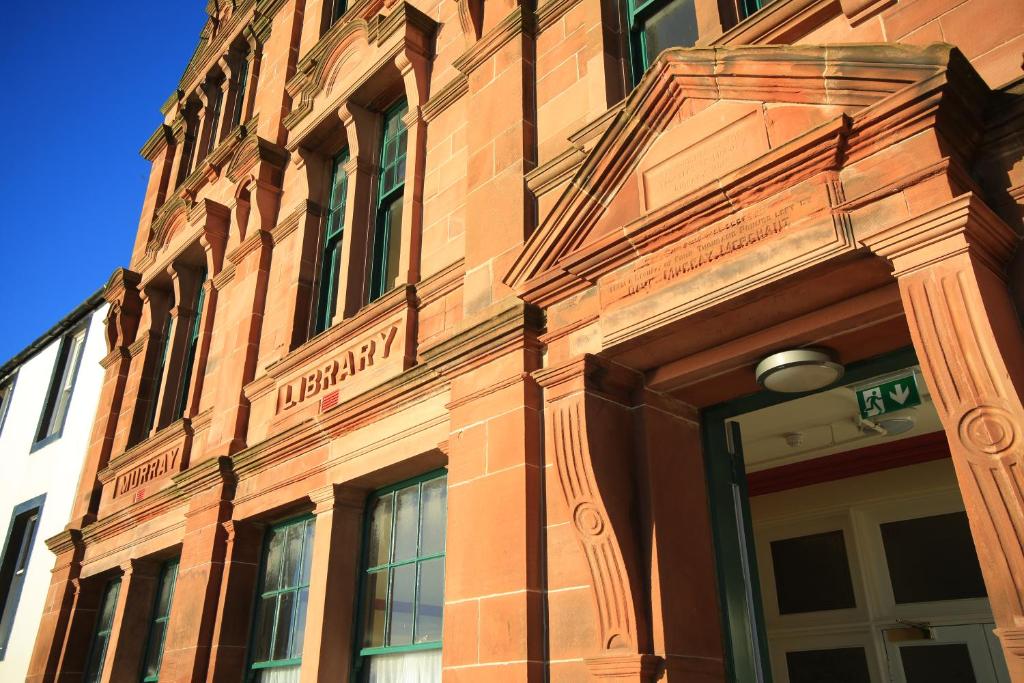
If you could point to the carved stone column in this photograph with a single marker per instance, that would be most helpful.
(361, 134)
(326, 653)
(950, 263)
(590, 439)
(414, 68)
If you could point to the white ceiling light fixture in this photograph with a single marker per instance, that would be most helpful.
(798, 370)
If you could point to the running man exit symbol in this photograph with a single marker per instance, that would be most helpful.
(886, 397)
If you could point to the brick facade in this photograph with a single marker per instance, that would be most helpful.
(576, 266)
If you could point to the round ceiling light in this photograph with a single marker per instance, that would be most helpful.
(798, 370)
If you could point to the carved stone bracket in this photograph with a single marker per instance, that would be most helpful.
(589, 435)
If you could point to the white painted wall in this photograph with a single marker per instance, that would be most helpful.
(54, 470)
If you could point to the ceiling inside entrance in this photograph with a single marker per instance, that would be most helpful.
(828, 422)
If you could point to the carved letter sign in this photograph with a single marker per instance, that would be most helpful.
(336, 371)
(147, 471)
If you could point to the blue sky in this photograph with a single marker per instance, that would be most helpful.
(83, 86)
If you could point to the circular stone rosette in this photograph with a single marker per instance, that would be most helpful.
(989, 430)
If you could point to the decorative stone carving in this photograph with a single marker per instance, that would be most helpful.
(589, 435)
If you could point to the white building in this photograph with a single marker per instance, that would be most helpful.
(48, 396)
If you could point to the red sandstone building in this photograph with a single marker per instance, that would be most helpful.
(438, 355)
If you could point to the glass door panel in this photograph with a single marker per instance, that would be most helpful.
(941, 654)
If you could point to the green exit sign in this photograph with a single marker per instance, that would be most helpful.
(889, 396)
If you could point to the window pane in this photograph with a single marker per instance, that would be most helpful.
(430, 601)
(109, 605)
(299, 622)
(406, 521)
(380, 531)
(275, 557)
(840, 665)
(394, 244)
(285, 607)
(403, 592)
(293, 556)
(937, 663)
(932, 558)
(375, 608)
(98, 654)
(265, 614)
(307, 552)
(812, 573)
(154, 649)
(432, 515)
(167, 582)
(675, 25)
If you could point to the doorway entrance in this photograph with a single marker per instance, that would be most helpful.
(844, 552)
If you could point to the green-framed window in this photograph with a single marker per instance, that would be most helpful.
(158, 377)
(276, 652)
(193, 346)
(241, 83)
(101, 636)
(387, 235)
(655, 25)
(330, 254)
(158, 626)
(402, 594)
(215, 106)
(748, 7)
(338, 8)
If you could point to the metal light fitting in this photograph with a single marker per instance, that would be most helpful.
(798, 371)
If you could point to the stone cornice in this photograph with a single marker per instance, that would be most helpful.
(258, 239)
(964, 225)
(551, 11)
(157, 142)
(203, 475)
(290, 223)
(518, 22)
(452, 92)
(444, 281)
(65, 541)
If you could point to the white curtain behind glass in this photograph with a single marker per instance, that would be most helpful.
(279, 674)
(409, 667)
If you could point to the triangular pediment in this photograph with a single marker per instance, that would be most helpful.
(699, 117)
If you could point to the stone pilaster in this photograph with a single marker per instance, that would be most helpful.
(589, 436)
(132, 616)
(327, 649)
(951, 264)
(209, 487)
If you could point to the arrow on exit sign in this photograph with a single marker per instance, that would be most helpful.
(886, 397)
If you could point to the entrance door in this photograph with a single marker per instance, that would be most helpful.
(967, 653)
